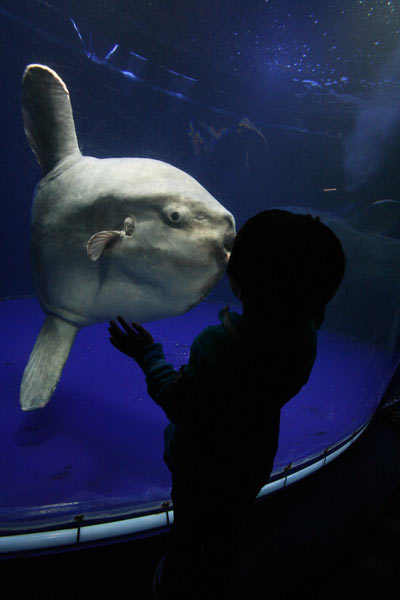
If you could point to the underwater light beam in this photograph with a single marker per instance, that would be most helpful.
(87, 52)
(183, 76)
(107, 56)
(377, 120)
(137, 55)
(103, 61)
(129, 74)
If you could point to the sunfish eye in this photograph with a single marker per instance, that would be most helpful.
(176, 216)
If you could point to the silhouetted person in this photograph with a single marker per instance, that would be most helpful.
(224, 405)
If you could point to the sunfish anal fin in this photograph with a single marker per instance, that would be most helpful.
(46, 362)
(99, 241)
(47, 114)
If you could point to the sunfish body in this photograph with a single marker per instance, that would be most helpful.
(130, 236)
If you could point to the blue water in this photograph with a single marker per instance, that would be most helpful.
(266, 104)
(97, 446)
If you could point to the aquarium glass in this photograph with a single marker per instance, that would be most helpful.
(266, 104)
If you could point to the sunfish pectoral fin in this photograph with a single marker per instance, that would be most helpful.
(99, 241)
(46, 362)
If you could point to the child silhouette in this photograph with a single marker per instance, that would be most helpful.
(224, 405)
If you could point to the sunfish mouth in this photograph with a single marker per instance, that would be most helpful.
(227, 248)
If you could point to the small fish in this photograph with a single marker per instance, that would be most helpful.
(216, 133)
(247, 124)
(195, 138)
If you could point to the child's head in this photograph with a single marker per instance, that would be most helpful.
(285, 265)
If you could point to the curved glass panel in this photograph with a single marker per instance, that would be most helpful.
(276, 106)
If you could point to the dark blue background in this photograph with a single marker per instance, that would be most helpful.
(248, 59)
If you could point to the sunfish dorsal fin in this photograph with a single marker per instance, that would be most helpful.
(47, 114)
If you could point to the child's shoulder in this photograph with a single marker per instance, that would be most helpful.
(217, 334)
(209, 335)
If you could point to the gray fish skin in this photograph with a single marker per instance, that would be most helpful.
(130, 236)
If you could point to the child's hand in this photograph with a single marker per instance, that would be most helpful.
(135, 338)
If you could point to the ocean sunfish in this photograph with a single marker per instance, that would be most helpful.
(130, 236)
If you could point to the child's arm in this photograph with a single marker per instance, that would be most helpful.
(184, 396)
(175, 392)
(139, 344)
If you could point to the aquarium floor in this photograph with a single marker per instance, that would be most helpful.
(332, 536)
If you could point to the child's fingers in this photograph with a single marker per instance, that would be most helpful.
(115, 331)
(139, 327)
(124, 324)
(135, 328)
(114, 327)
